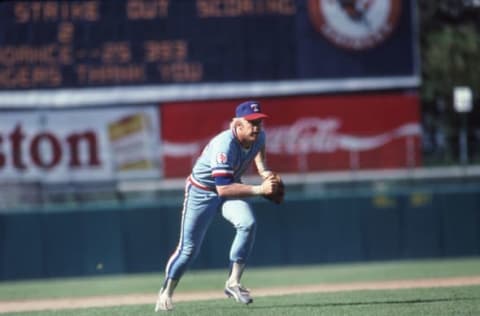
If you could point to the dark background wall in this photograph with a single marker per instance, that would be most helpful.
(301, 231)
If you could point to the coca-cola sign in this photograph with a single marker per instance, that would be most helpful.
(305, 133)
(318, 135)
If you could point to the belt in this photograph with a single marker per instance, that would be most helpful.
(197, 184)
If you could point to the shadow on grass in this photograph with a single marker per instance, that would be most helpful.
(391, 302)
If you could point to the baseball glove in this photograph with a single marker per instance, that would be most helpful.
(279, 194)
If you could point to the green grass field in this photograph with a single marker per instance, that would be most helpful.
(463, 300)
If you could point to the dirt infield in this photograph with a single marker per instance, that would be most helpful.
(135, 299)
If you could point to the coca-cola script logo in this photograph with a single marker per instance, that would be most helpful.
(355, 24)
(304, 136)
(317, 135)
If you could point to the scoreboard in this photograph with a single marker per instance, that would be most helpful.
(190, 49)
(51, 44)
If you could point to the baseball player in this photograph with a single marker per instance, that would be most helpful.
(215, 185)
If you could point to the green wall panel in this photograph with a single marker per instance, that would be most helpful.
(301, 231)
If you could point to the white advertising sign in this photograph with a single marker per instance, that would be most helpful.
(78, 145)
(462, 99)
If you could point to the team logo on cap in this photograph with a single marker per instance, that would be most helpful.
(355, 24)
(254, 107)
(222, 158)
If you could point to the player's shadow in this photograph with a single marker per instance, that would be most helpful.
(387, 302)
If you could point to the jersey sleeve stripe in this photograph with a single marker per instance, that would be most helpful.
(222, 173)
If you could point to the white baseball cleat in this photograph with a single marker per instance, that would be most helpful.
(164, 302)
(239, 293)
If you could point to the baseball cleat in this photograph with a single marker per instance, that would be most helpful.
(239, 293)
(164, 302)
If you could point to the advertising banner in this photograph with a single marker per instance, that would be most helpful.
(79, 145)
(308, 133)
(66, 53)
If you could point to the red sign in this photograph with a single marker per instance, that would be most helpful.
(308, 133)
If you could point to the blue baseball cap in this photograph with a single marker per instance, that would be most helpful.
(250, 110)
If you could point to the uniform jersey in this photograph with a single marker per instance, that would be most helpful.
(224, 160)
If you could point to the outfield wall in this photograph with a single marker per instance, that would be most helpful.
(301, 231)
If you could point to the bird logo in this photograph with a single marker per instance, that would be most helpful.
(355, 24)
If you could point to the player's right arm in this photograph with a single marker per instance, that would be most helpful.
(222, 158)
(245, 190)
(227, 187)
